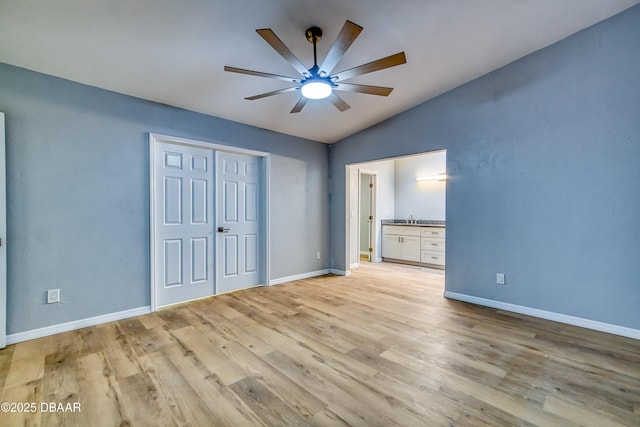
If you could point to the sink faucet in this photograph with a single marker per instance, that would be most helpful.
(410, 220)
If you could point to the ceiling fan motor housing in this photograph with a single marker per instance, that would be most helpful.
(314, 34)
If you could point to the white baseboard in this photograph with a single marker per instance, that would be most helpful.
(298, 277)
(377, 260)
(339, 272)
(354, 265)
(549, 315)
(364, 252)
(76, 324)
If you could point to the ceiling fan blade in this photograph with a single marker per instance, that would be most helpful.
(338, 102)
(270, 37)
(347, 36)
(275, 92)
(380, 64)
(299, 105)
(260, 74)
(371, 90)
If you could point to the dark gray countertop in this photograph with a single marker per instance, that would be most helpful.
(415, 223)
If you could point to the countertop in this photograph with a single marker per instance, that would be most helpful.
(416, 223)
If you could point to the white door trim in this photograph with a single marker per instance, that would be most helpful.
(3, 236)
(373, 230)
(347, 223)
(374, 212)
(214, 146)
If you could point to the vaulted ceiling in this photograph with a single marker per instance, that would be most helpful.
(173, 51)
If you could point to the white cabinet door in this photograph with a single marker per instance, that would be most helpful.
(391, 246)
(411, 248)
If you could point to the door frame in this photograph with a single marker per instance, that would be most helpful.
(350, 208)
(373, 199)
(3, 235)
(213, 146)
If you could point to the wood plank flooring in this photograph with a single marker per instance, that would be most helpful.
(379, 348)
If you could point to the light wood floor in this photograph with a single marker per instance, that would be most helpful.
(379, 348)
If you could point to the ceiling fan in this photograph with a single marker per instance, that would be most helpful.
(317, 82)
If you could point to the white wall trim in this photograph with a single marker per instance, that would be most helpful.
(298, 277)
(548, 315)
(76, 324)
(339, 272)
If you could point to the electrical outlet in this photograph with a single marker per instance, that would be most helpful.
(318, 255)
(500, 279)
(53, 295)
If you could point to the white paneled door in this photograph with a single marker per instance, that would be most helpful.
(183, 222)
(3, 237)
(238, 221)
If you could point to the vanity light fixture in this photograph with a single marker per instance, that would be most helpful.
(438, 177)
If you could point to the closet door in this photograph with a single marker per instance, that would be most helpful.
(183, 222)
(239, 242)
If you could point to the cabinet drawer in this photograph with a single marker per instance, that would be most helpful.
(431, 257)
(430, 244)
(402, 230)
(437, 232)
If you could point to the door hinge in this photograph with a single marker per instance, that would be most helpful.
(370, 249)
(370, 185)
(371, 217)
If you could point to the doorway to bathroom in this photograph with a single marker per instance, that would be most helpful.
(402, 217)
(367, 215)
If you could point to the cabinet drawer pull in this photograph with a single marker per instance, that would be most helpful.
(434, 244)
(434, 232)
(434, 257)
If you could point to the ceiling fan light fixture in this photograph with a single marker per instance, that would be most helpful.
(319, 82)
(316, 89)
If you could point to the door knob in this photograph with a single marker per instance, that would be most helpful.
(222, 230)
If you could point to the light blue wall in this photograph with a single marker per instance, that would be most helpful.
(544, 176)
(78, 195)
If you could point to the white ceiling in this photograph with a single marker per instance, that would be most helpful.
(173, 51)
